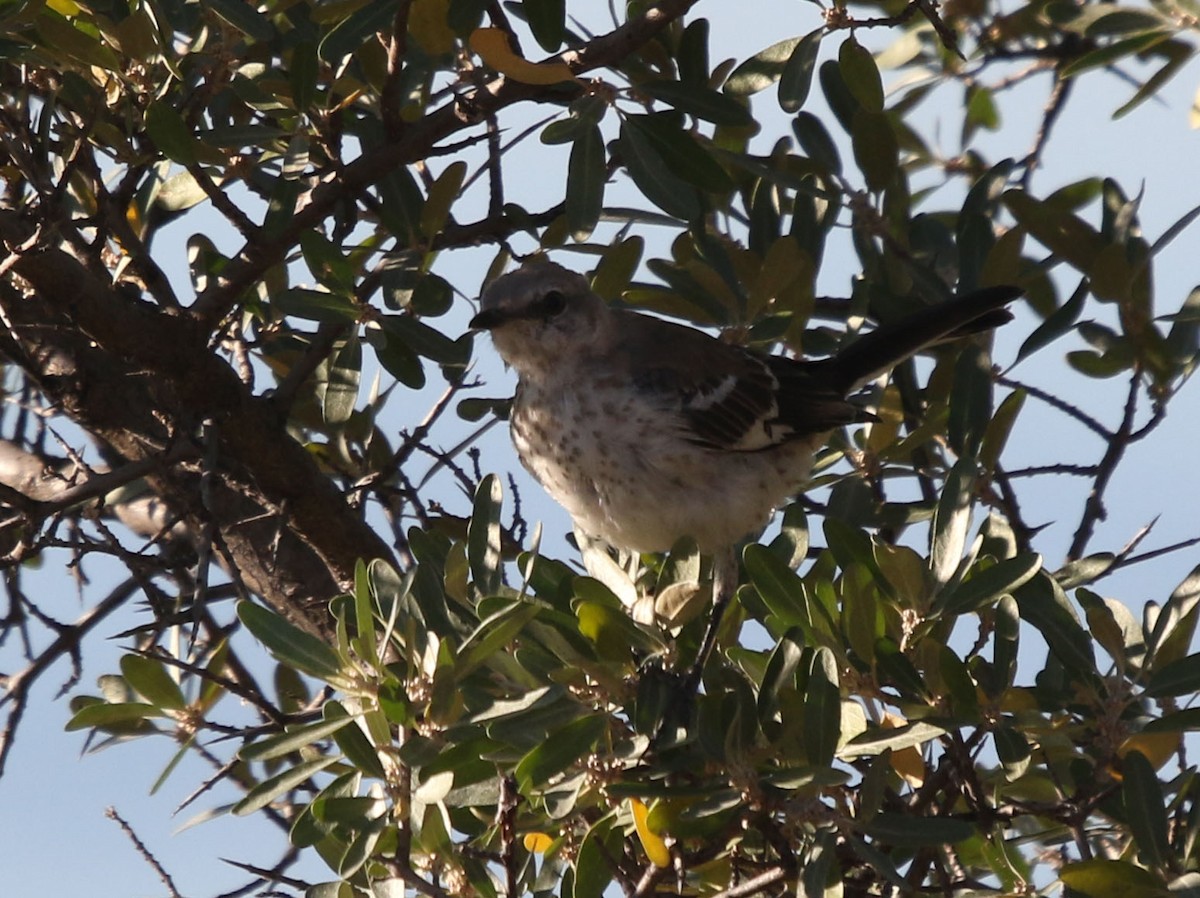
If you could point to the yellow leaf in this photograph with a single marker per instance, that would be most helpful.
(537, 843)
(905, 761)
(655, 848)
(1157, 747)
(493, 48)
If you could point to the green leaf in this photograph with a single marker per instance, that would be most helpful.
(702, 102)
(586, 176)
(72, 40)
(1044, 605)
(970, 401)
(562, 748)
(594, 865)
(1177, 678)
(816, 142)
(1058, 323)
(861, 74)
(342, 375)
(1142, 795)
(291, 740)
(986, 586)
(1063, 233)
(270, 789)
(951, 520)
(483, 536)
(822, 709)
(492, 635)
(688, 158)
(1102, 878)
(302, 73)
(316, 305)
(245, 17)
(354, 742)
(898, 671)
(784, 592)
(105, 715)
(876, 150)
(908, 831)
(611, 631)
(795, 80)
(780, 672)
(400, 201)
(879, 739)
(1013, 750)
(443, 193)
(170, 133)
(425, 340)
(365, 642)
(547, 20)
(762, 69)
(654, 177)
(150, 679)
(354, 30)
(995, 436)
(289, 643)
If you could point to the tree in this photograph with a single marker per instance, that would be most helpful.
(453, 712)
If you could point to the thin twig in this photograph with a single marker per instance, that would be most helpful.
(141, 848)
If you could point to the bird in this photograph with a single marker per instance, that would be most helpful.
(647, 431)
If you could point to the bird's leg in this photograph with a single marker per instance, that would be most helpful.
(725, 579)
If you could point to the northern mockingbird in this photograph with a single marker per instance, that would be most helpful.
(647, 431)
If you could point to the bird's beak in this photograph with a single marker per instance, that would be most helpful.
(486, 320)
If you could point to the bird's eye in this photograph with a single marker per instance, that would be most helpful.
(552, 303)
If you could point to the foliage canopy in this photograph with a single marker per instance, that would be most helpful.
(451, 711)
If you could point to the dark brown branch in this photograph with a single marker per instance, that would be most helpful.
(18, 685)
(1115, 451)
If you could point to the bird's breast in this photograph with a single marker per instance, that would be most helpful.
(627, 473)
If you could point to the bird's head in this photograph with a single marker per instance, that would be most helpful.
(542, 315)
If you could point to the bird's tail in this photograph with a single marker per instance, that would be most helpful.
(890, 344)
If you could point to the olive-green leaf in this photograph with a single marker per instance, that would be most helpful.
(342, 376)
(316, 305)
(1177, 678)
(269, 789)
(1103, 878)
(908, 831)
(861, 74)
(245, 17)
(1145, 811)
(289, 643)
(687, 157)
(795, 80)
(654, 176)
(762, 69)
(702, 102)
(105, 714)
(822, 709)
(170, 133)
(983, 587)
(483, 536)
(560, 750)
(291, 740)
(547, 19)
(442, 194)
(586, 175)
(876, 150)
(150, 678)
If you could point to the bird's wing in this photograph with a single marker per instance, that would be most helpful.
(728, 397)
